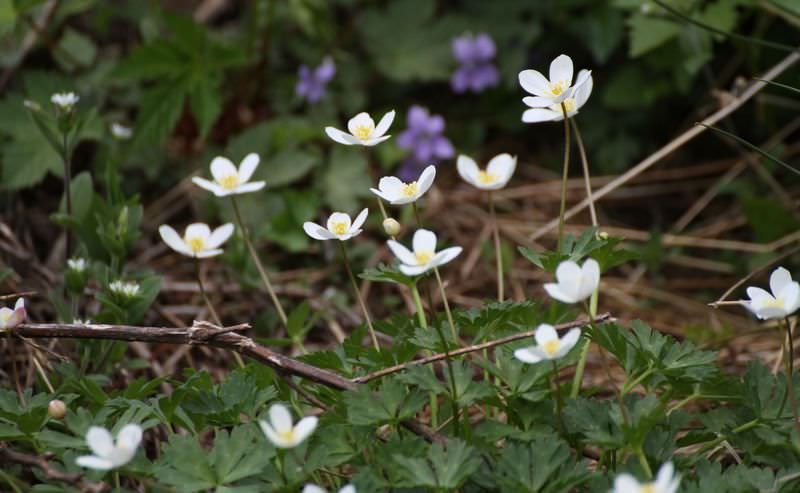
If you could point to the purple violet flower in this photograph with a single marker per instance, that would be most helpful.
(311, 83)
(424, 139)
(475, 55)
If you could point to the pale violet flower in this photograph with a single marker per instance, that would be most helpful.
(65, 100)
(558, 87)
(338, 227)
(574, 283)
(312, 488)
(393, 190)
(231, 181)
(109, 454)
(120, 131)
(548, 345)
(666, 482)
(124, 289)
(494, 177)
(782, 302)
(77, 264)
(11, 318)
(198, 240)
(363, 130)
(424, 257)
(282, 432)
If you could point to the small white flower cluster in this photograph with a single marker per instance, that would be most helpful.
(65, 101)
(125, 289)
(77, 264)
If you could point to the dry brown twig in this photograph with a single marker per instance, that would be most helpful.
(43, 462)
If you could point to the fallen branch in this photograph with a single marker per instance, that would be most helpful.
(43, 462)
(605, 317)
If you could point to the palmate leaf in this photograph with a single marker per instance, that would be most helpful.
(444, 467)
(542, 465)
(391, 404)
(604, 249)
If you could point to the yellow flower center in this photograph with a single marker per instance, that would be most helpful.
(557, 88)
(550, 347)
(339, 228)
(410, 189)
(5, 316)
(424, 256)
(569, 104)
(363, 132)
(648, 488)
(229, 182)
(196, 244)
(287, 435)
(487, 178)
(774, 303)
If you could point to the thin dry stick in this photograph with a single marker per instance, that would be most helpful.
(43, 462)
(586, 176)
(497, 253)
(211, 308)
(605, 317)
(677, 142)
(14, 296)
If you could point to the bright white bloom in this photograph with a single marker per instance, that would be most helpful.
(666, 482)
(397, 192)
(282, 432)
(107, 453)
(338, 227)
(784, 300)
(65, 100)
(77, 264)
(548, 345)
(120, 131)
(554, 112)
(575, 283)
(312, 488)
(424, 257)
(559, 86)
(230, 181)
(494, 177)
(363, 130)
(198, 240)
(77, 321)
(125, 289)
(11, 318)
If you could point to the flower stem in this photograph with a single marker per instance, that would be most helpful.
(559, 401)
(643, 461)
(416, 214)
(257, 260)
(497, 252)
(67, 187)
(423, 322)
(446, 305)
(564, 175)
(578, 378)
(789, 361)
(358, 295)
(211, 309)
(586, 176)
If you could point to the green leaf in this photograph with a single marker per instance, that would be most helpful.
(444, 467)
(76, 50)
(542, 465)
(288, 166)
(345, 180)
(161, 107)
(237, 456)
(8, 16)
(648, 33)
(205, 101)
(296, 325)
(392, 404)
(183, 465)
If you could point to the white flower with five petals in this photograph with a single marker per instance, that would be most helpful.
(666, 482)
(109, 454)
(548, 345)
(231, 181)
(494, 177)
(65, 100)
(11, 318)
(782, 302)
(338, 227)
(574, 283)
(282, 432)
(363, 130)
(554, 112)
(558, 87)
(424, 257)
(397, 192)
(312, 488)
(198, 240)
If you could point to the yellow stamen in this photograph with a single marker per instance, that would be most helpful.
(648, 488)
(287, 435)
(410, 189)
(424, 256)
(229, 182)
(363, 132)
(773, 303)
(558, 87)
(569, 105)
(5, 316)
(486, 178)
(339, 228)
(196, 244)
(550, 347)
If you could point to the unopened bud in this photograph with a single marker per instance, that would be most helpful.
(57, 409)
(603, 235)
(391, 227)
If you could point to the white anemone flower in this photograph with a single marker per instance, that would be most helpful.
(548, 345)
(77, 264)
(494, 177)
(558, 87)
(312, 488)
(338, 227)
(782, 302)
(574, 283)
(282, 432)
(65, 100)
(198, 241)
(424, 257)
(543, 110)
(120, 131)
(395, 191)
(231, 181)
(666, 482)
(11, 318)
(363, 130)
(109, 454)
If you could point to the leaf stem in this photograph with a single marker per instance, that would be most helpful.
(357, 291)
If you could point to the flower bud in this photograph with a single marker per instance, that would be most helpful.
(391, 227)
(603, 235)
(57, 409)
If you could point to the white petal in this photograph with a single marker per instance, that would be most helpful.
(341, 137)
(569, 276)
(555, 292)
(790, 294)
(544, 334)
(426, 180)
(468, 169)
(758, 295)
(446, 256)
(625, 483)
(391, 187)
(590, 277)
(222, 167)
(527, 355)
(312, 488)
(100, 441)
(569, 341)
(338, 217)
(537, 101)
(414, 270)
(534, 82)
(403, 254)
(219, 236)
(280, 418)
(304, 428)
(779, 278)
(536, 115)
(209, 253)
(582, 93)
(359, 220)
(130, 436)
(210, 186)
(502, 166)
(19, 304)
(250, 187)
(93, 462)
(348, 489)
(317, 232)
(383, 125)
(360, 120)
(424, 241)
(248, 167)
(173, 240)
(374, 140)
(561, 70)
(197, 230)
(380, 194)
(272, 435)
(664, 476)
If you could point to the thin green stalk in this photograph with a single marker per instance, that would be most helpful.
(446, 305)
(211, 309)
(628, 386)
(357, 291)
(578, 378)
(67, 188)
(257, 260)
(498, 254)
(423, 322)
(586, 175)
(565, 174)
(116, 479)
(643, 461)
(789, 362)
(416, 214)
(559, 399)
